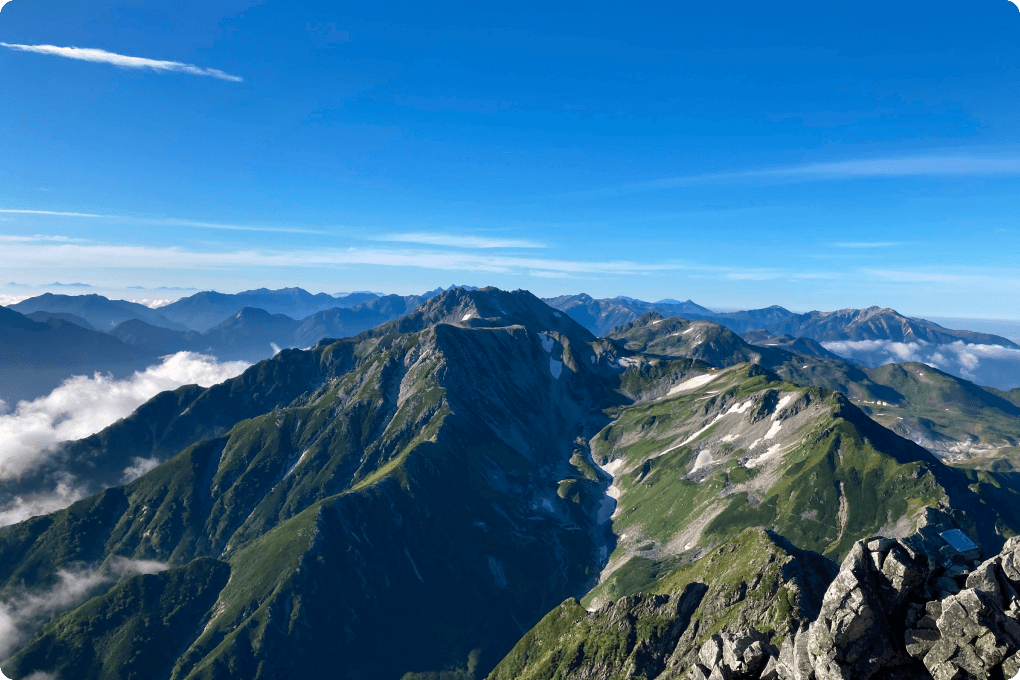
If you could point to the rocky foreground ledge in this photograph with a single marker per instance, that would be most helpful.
(913, 608)
(924, 606)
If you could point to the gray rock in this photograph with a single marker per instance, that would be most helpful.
(975, 636)
(720, 673)
(755, 656)
(1010, 555)
(698, 672)
(1011, 667)
(880, 544)
(986, 579)
(733, 648)
(771, 670)
(851, 637)
(803, 659)
(903, 574)
(711, 652)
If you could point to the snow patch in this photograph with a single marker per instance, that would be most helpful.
(556, 368)
(467, 316)
(783, 402)
(611, 467)
(774, 430)
(607, 507)
(688, 330)
(294, 466)
(703, 460)
(629, 362)
(739, 408)
(761, 460)
(694, 383)
(498, 571)
(547, 342)
(702, 430)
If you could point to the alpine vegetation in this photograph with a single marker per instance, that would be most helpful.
(669, 501)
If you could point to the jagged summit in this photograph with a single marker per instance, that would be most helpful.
(489, 308)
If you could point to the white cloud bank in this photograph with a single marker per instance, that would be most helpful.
(122, 60)
(66, 491)
(991, 365)
(23, 611)
(6, 300)
(83, 406)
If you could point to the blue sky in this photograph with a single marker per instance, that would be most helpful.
(816, 156)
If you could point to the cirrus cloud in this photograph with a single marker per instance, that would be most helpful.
(98, 56)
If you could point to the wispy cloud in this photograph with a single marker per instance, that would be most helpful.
(22, 610)
(459, 241)
(122, 60)
(53, 256)
(1009, 278)
(159, 221)
(923, 166)
(868, 244)
(36, 238)
(56, 256)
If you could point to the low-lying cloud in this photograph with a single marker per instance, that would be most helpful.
(7, 300)
(66, 490)
(23, 611)
(85, 405)
(991, 365)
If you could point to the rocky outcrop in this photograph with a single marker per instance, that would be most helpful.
(919, 607)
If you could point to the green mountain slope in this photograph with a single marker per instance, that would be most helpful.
(952, 417)
(135, 631)
(749, 582)
(432, 486)
(740, 448)
(396, 478)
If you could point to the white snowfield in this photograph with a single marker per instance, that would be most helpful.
(694, 383)
(763, 458)
(607, 507)
(556, 368)
(547, 342)
(703, 460)
(774, 430)
(739, 408)
(467, 316)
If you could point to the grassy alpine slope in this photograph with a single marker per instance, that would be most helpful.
(434, 484)
(397, 495)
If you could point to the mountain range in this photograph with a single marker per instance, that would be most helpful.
(872, 323)
(483, 486)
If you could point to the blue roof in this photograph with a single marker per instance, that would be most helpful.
(958, 540)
